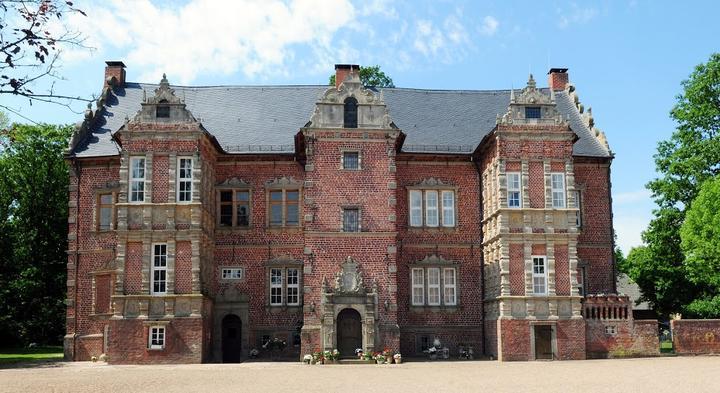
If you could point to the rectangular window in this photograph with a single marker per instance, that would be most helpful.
(184, 180)
(539, 275)
(558, 190)
(226, 208)
(448, 212)
(293, 287)
(162, 111)
(156, 337)
(276, 286)
(513, 189)
(232, 273)
(351, 160)
(418, 287)
(106, 216)
(137, 179)
(433, 286)
(234, 209)
(284, 208)
(416, 198)
(449, 287)
(351, 220)
(242, 207)
(159, 269)
(581, 281)
(532, 112)
(431, 208)
(578, 205)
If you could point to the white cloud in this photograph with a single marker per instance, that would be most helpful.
(489, 26)
(255, 37)
(575, 15)
(445, 43)
(629, 228)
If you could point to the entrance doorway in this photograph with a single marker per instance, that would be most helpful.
(231, 338)
(349, 332)
(543, 342)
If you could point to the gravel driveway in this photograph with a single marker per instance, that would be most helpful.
(657, 375)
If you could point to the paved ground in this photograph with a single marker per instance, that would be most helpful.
(676, 375)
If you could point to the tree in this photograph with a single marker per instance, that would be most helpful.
(371, 76)
(684, 162)
(29, 50)
(33, 228)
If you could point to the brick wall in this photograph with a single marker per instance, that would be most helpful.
(183, 267)
(696, 336)
(128, 342)
(133, 268)
(562, 270)
(517, 270)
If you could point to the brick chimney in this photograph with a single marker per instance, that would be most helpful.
(558, 78)
(342, 71)
(114, 74)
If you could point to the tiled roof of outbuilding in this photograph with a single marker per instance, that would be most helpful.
(264, 119)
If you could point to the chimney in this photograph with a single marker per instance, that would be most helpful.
(558, 78)
(342, 71)
(114, 74)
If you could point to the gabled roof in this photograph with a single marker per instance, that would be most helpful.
(264, 119)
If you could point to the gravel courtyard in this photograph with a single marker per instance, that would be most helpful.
(676, 374)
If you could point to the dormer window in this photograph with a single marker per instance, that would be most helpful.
(162, 111)
(532, 112)
(351, 114)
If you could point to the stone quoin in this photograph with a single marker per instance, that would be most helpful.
(206, 222)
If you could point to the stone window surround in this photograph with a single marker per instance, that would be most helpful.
(93, 303)
(342, 159)
(144, 179)
(434, 261)
(544, 275)
(178, 180)
(165, 268)
(108, 189)
(433, 185)
(284, 263)
(223, 268)
(342, 217)
(283, 184)
(518, 190)
(156, 325)
(553, 190)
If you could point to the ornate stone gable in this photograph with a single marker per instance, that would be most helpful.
(372, 111)
(163, 107)
(531, 97)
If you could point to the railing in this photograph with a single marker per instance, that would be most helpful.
(439, 148)
(259, 148)
(606, 307)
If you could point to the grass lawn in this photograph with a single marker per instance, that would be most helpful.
(38, 354)
(666, 346)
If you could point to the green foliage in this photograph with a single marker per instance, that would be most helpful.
(33, 233)
(371, 76)
(700, 234)
(690, 157)
(37, 354)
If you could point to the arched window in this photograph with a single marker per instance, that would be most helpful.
(351, 115)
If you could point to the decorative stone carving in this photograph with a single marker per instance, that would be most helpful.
(283, 182)
(233, 182)
(431, 183)
(164, 96)
(434, 259)
(349, 279)
(531, 96)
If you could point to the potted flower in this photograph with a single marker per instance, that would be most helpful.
(327, 355)
(388, 354)
(359, 353)
(398, 358)
(308, 359)
(380, 358)
(317, 357)
(336, 355)
(432, 353)
(369, 357)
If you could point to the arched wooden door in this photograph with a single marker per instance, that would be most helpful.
(349, 332)
(231, 338)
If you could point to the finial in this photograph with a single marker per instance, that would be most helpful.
(512, 95)
(531, 82)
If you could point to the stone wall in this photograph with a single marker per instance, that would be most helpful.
(696, 336)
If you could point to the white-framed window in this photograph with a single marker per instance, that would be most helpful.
(578, 205)
(449, 287)
(611, 330)
(285, 286)
(433, 286)
(514, 193)
(539, 275)
(158, 275)
(232, 273)
(293, 287)
(431, 208)
(184, 179)
(416, 208)
(557, 181)
(448, 204)
(156, 337)
(418, 286)
(351, 160)
(137, 179)
(276, 286)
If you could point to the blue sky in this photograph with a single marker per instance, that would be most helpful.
(626, 58)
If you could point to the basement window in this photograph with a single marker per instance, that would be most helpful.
(156, 337)
(532, 112)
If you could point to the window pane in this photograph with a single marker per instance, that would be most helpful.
(351, 218)
(105, 217)
(292, 214)
(276, 195)
(225, 196)
(276, 215)
(433, 286)
(448, 208)
(226, 215)
(351, 160)
(415, 208)
(418, 287)
(242, 216)
(292, 195)
(292, 276)
(532, 112)
(242, 195)
(431, 208)
(106, 199)
(276, 276)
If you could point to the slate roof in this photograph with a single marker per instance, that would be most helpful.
(264, 119)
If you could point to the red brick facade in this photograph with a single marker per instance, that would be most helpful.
(171, 264)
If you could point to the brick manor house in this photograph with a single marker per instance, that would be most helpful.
(205, 221)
